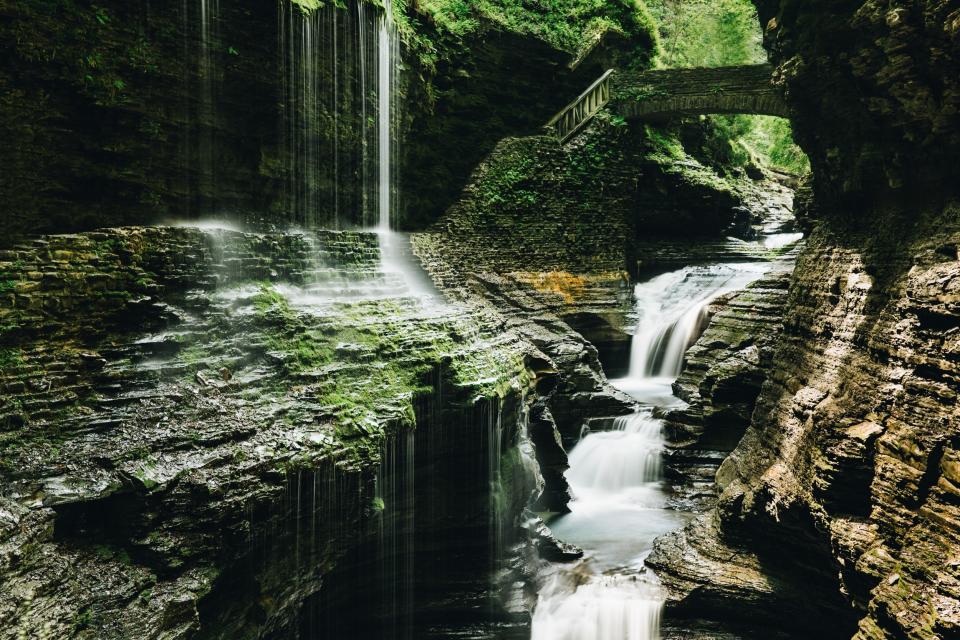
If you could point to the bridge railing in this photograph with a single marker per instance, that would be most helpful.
(576, 114)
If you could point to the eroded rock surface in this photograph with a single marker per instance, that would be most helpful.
(196, 426)
(844, 478)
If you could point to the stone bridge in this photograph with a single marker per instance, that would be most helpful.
(666, 93)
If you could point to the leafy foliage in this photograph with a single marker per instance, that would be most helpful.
(716, 33)
(707, 33)
(570, 25)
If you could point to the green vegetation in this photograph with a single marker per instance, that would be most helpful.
(569, 25)
(503, 182)
(664, 147)
(11, 357)
(707, 33)
(716, 33)
(308, 5)
(361, 366)
(771, 140)
(566, 24)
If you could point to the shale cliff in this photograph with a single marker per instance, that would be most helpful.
(137, 113)
(842, 495)
(189, 445)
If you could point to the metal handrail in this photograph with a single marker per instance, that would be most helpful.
(572, 117)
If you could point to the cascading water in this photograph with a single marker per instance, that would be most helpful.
(198, 142)
(387, 58)
(328, 59)
(395, 491)
(671, 312)
(611, 461)
(396, 255)
(619, 504)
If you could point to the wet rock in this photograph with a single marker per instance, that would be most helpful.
(165, 465)
(848, 456)
(549, 548)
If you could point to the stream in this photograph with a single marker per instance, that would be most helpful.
(620, 498)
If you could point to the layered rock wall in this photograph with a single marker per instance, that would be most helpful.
(844, 478)
(187, 452)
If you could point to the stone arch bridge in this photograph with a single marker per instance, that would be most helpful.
(666, 93)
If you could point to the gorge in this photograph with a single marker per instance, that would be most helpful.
(350, 319)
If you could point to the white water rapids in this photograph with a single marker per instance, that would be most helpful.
(619, 504)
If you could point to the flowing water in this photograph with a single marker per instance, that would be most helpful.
(339, 72)
(620, 502)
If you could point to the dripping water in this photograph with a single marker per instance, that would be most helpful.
(395, 493)
(209, 37)
(494, 445)
(328, 61)
(198, 144)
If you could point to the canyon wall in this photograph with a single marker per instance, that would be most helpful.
(137, 113)
(189, 448)
(842, 495)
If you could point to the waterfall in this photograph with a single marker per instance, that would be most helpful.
(671, 311)
(396, 255)
(611, 461)
(619, 505)
(615, 607)
(386, 75)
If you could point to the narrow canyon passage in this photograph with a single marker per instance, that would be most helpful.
(619, 501)
(479, 320)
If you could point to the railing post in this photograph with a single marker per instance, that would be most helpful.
(576, 114)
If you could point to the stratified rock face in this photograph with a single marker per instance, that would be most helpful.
(873, 86)
(721, 379)
(845, 480)
(197, 425)
(855, 432)
(724, 370)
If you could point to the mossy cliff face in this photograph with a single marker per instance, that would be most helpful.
(136, 112)
(188, 448)
(590, 205)
(845, 479)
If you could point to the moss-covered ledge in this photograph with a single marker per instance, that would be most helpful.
(152, 462)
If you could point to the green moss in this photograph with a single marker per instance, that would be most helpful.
(664, 147)
(363, 367)
(10, 358)
(308, 5)
(645, 92)
(82, 619)
(568, 25)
